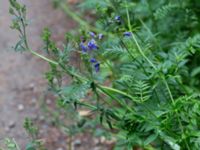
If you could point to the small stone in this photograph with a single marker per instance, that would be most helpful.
(33, 101)
(109, 142)
(103, 139)
(11, 124)
(20, 107)
(96, 141)
(55, 81)
(48, 101)
(41, 118)
(32, 86)
(77, 142)
(97, 148)
(41, 132)
(35, 117)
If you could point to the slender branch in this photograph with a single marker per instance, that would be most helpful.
(43, 57)
(118, 92)
(17, 146)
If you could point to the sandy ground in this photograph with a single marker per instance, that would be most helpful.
(21, 75)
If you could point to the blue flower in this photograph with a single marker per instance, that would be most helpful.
(92, 45)
(118, 18)
(83, 47)
(96, 64)
(92, 34)
(100, 36)
(127, 34)
(93, 60)
(97, 67)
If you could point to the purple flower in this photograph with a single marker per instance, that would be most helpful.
(96, 64)
(92, 34)
(93, 60)
(92, 44)
(127, 34)
(83, 47)
(100, 36)
(118, 18)
(97, 67)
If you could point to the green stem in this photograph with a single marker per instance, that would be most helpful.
(87, 105)
(168, 89)
(17, 146)
(128, 17)
(103, 90)
(182, 130)
(43, 57)
(141, 52)
(129, 52)
(151, 34)
(73, 74)
(26, 42)
(70, 142)
(135, 40)
(117, 91)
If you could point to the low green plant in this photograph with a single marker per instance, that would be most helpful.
(11, 144)
(34, 144)
(138, 69)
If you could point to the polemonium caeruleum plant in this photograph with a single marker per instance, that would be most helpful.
(139, 72)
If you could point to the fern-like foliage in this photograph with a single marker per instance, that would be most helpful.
(192, 44)
(165, 10)
(74, 92)
(115, 52)
(142, 90)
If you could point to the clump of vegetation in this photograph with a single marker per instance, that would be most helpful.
(138, 74)
(34, 144)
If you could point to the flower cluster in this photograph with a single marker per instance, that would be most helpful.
(90, 46)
